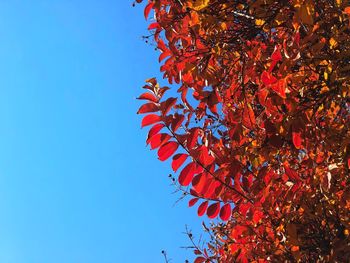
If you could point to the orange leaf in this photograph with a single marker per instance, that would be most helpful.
(295, 248)
(347, 10)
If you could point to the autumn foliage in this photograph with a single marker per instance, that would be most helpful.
(258, 131)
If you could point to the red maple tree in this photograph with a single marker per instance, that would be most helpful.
(259, 131)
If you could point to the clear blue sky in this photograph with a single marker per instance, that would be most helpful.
(77, 184)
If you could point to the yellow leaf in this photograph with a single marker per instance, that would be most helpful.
(223, 26)
(325, 75)
(323, 63)
(259, 22)
(199, 4)
(320, 108)
(346, 232)
(333, 43)
(281, 130)
(324, 88)
(255, 162)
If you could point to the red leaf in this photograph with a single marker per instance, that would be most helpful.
(152, 81)
(296, 137)
(167, 150)
(154, 130)
(225, 212)
(164, 55)
(187, 174)
(292, 174)
(257, 216)
(150, 119)
(202, 208)
(268, 79)
(213, 210)
(178, 160)
(199, 260)
(176, 122)
(148, 9)
(276, 55)
(159, 139)
(162, 46)
(148, 96)
(154, 25)
(148, 107)
(192, 138)
(243, 209)
(204, 157)
(161, 91)
(285, 178)
(199, 182)
(262, 95)
(280, 88)
(268, 176)
(193, 201)
(166, 106)
(347, 10)
(248, 116)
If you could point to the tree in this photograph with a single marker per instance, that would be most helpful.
(259, 129)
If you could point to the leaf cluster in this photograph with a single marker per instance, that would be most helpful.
(259, 132)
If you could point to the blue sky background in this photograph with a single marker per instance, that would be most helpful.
(77, 183)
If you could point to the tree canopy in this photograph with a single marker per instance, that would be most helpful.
(258, 132)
